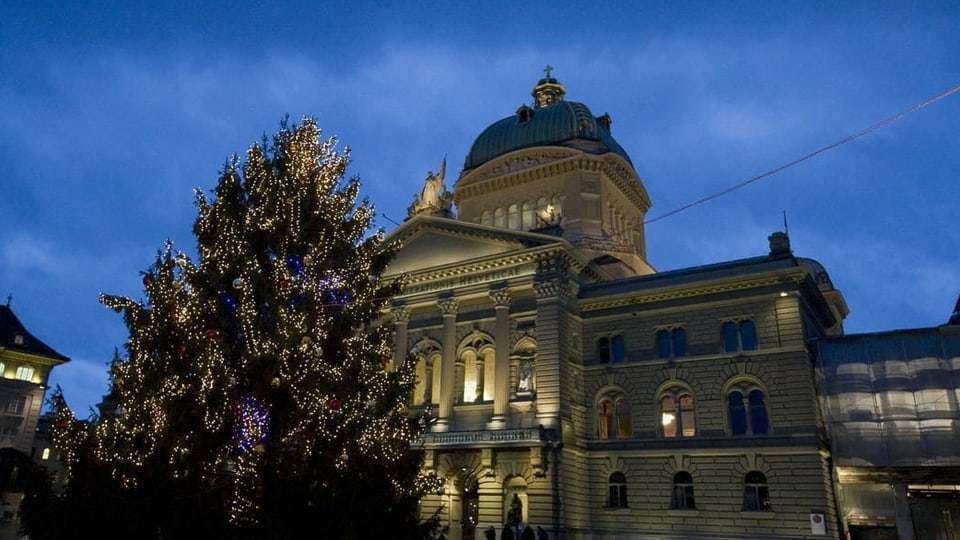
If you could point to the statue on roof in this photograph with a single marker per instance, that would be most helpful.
(434, 200)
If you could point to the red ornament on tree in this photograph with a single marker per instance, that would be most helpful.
(147, 281)
(182, 351)
(284, 284)
(212, 335)
(63, 424)
(333, 403)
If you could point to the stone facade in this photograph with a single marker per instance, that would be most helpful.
(565, 384)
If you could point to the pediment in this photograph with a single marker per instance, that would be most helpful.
(432, 242)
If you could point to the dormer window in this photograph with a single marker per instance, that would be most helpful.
(524, 114)
(605, 121)
(18, 339)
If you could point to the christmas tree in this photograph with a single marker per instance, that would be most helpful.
(259, 397)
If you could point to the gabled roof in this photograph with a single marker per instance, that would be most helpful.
(444, 247)
(15, 337)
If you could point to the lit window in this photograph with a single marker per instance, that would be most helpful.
(25, 373)
(614, 417)
(756, 496)
(682, 498)
(739, 336)
(45, 455)
(618, 491)
(677, 414)
(672, 343)
(3, 369)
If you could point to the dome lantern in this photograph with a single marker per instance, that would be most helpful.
(548, 90)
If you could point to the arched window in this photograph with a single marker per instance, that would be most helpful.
(478, 358)
(677, 413)
(513, 217)
(428, 379)
(499, 218)
(747, 412)
(739, 336)
(756, 496)
(529, 220)
(618, 491)
(671, 342)
(486, 218)
(759, 422)
(682, 498)
(614, 417)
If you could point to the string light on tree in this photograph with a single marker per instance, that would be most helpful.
(286, 411)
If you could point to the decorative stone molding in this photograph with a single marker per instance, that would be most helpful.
(449, 305)
(401, 314)
(501, 297)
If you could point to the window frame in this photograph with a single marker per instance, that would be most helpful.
(756, 492)
(682, 495)
(671, 342)
(684, 415)
(617, 490)
(614, 421)
(611, 348)
(17, 405)
(25, 373)
(739, 335)
(749, 415)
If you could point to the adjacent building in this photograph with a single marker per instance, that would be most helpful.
(567, 385)
(25, 365)
(890, 402)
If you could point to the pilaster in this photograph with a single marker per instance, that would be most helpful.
(448, 307)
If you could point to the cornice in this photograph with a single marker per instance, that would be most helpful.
(16, 355)
(465, 229)
(532, 164)
(675, 292)
(494, 268)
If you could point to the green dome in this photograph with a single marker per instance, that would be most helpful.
(554, 122)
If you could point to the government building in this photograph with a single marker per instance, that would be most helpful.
(567, 386)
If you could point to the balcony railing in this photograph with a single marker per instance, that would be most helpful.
(504, 437)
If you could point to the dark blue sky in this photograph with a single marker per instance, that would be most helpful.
(111, 113)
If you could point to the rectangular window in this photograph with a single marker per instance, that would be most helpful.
(603, 350)
(619, 349)
(25, 373)
(741, 336)
(672, 343)
(17, 405)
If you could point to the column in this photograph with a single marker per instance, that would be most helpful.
(552, 286)
(501, 376)
(903, 518)
(448, 307)
(401, 316)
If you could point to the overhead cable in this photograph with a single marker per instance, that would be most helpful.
(849, 138)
